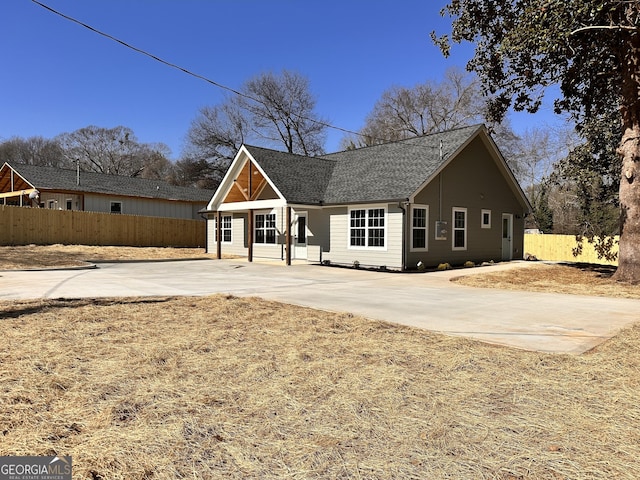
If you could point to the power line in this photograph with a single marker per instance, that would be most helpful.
(217, 84)
(185, 70)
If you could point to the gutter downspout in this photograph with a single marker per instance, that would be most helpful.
(404, 206)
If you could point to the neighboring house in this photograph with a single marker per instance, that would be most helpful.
(61, 189)
(446, 197)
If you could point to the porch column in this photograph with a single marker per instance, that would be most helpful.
(218, 235)
(287, 236)
(250, 236)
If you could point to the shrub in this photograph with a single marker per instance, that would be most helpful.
(444, 266)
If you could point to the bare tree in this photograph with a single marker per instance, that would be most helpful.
(284, 112)
(32, 151)
(216, 134)
(113, 151)
(429, 107)
(272, 110)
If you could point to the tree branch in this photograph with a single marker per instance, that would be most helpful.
(606, 27)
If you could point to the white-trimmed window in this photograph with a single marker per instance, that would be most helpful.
(69, 203)
(485, 218)
(265, 228)
(459, 223)
(227, 221)
(419, 227)
(116, 207)
(367, 227)
(51, 204)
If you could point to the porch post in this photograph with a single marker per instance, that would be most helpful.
(250, 236)
(287, 236)
(218, 235)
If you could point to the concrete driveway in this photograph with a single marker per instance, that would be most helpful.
(535, 321)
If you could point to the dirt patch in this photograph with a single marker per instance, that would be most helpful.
(578, 279)
(57, 256)
(226, 387)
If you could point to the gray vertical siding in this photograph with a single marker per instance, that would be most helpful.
(143, 206)
(473, 181)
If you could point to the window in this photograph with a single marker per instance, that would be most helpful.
(226, 229)
(69, 204)
(376, 227)
(302, 230)
(265, 228)
(419, 231)
(485, 220)
(116, 207)
(367, 227)
(51, 204)
(357, 230)
(459, 228)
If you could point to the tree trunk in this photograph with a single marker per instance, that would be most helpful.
(629, 253)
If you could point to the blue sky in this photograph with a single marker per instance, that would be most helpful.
(58, 76)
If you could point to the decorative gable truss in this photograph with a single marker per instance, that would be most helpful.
(247, 189)
(14, 188)
(245, 186)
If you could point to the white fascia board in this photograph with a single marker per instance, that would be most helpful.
(255, 205)
(242, 157)
(304, 206)
(517, 189)
(226, 183)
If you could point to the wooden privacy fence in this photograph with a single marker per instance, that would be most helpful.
(24, 226)
(559, 248)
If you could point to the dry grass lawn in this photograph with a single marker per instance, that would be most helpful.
(581, 279)
(226, 387)
(56, 256)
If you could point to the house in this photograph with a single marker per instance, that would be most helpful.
(446, 197)
(63, 189)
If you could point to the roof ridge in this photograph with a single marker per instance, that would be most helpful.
(306, 157)
(111, 176)
(408, 140)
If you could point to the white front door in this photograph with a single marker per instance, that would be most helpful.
(507, 236)
(299, 231)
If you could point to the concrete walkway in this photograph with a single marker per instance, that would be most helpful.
(535, 321)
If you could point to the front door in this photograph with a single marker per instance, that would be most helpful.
(300, 236)
(507, 236)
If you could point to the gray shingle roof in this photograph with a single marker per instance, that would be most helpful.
(300, 179)
(49, 178)
(392, 171)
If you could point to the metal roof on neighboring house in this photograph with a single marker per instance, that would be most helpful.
(50, 178)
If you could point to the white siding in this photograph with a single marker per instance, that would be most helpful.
(60, 200)
(340, 253)
(238, 245)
